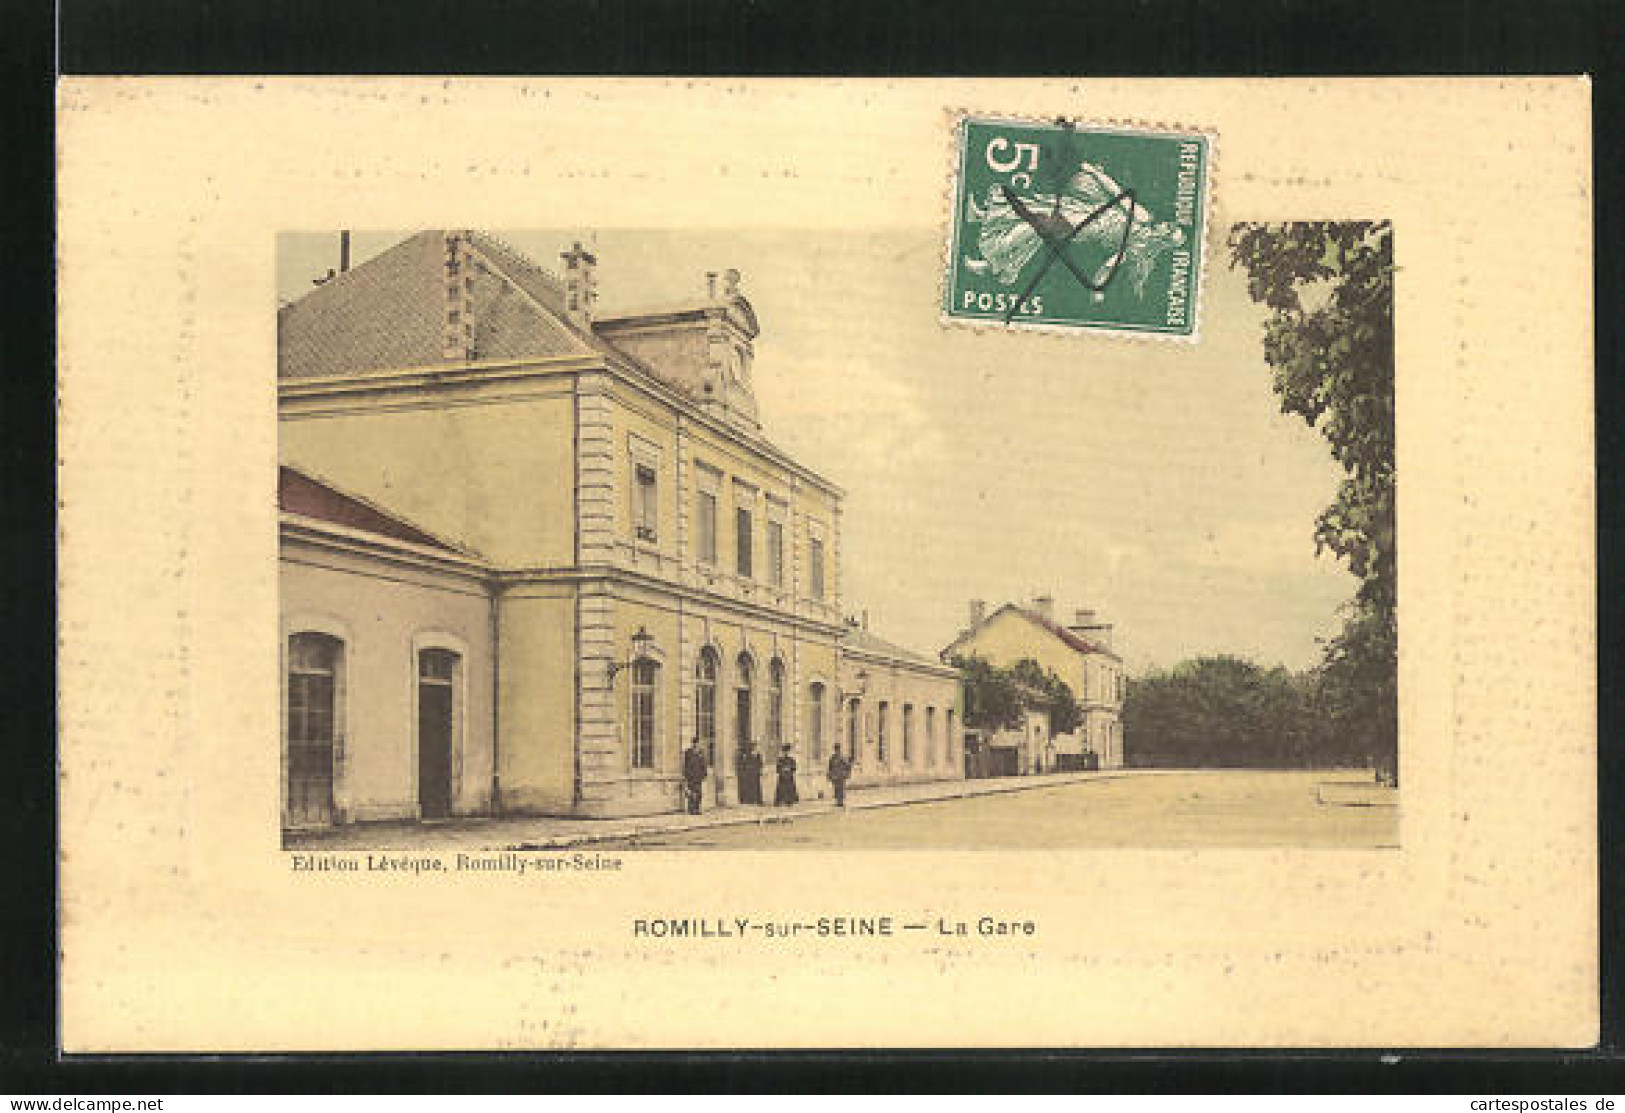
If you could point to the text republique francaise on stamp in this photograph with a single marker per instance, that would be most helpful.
(1066, 226)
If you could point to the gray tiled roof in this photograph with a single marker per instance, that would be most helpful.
(305, 495)
(860, 639)
(389, 312)
(538, 282)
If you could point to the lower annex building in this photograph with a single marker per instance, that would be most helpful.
(528, 552)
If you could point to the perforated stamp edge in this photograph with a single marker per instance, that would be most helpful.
(955, 117)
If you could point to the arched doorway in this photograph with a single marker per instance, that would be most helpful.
(315, 672)
(744, 738)
(705, 706)
(437, 724)
(744, 701)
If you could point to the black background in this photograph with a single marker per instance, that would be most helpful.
(717, 37)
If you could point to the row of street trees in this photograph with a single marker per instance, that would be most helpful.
(1224, 711)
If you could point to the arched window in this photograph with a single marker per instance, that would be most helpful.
(853, 750)
(744, 699)
(908, 734)
(775, 702)
(645, 683)
(951, 740)
(933, 756)
(705, 703)
(815, 721)
(882, 713)
(315, 677)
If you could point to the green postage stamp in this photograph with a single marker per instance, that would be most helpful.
(1064, 226)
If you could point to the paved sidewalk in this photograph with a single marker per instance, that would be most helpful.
(1356, 794)
(547, 833)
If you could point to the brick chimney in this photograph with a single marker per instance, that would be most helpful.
(978, 612)
(458, 332)
(580, 286)
(1045, 606)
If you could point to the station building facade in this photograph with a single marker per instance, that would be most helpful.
(651, 568)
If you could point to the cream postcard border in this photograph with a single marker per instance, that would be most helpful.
(182, 927)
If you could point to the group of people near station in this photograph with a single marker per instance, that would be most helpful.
(748, 764)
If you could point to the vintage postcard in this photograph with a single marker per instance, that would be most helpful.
(837, 564)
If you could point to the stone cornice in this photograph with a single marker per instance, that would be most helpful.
(509, 578)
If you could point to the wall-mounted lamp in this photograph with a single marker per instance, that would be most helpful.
(850, 695)
(642, 642)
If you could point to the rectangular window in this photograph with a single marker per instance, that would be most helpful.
(705, 526)
(815, 561)
(951, 748)
(932, 756)
(775, 553)
(908, 733)
(645, 504)
(742, 540)
(882, 713)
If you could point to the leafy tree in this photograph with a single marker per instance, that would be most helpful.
(1057, 700)
(995, 697)
(1357, 693)
(993, 700)
(1330, 343)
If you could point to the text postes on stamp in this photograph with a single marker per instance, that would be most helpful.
(1066, 225)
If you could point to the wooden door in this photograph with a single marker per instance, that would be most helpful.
(436, 721)
(313, 671)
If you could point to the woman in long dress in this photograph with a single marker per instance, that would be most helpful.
(784, 793)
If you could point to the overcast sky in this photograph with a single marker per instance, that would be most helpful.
(1156, 482)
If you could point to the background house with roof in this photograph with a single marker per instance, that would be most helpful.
(655, 570)
(1080, 653)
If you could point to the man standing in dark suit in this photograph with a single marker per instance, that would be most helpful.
(839, 770)
(695, 768)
